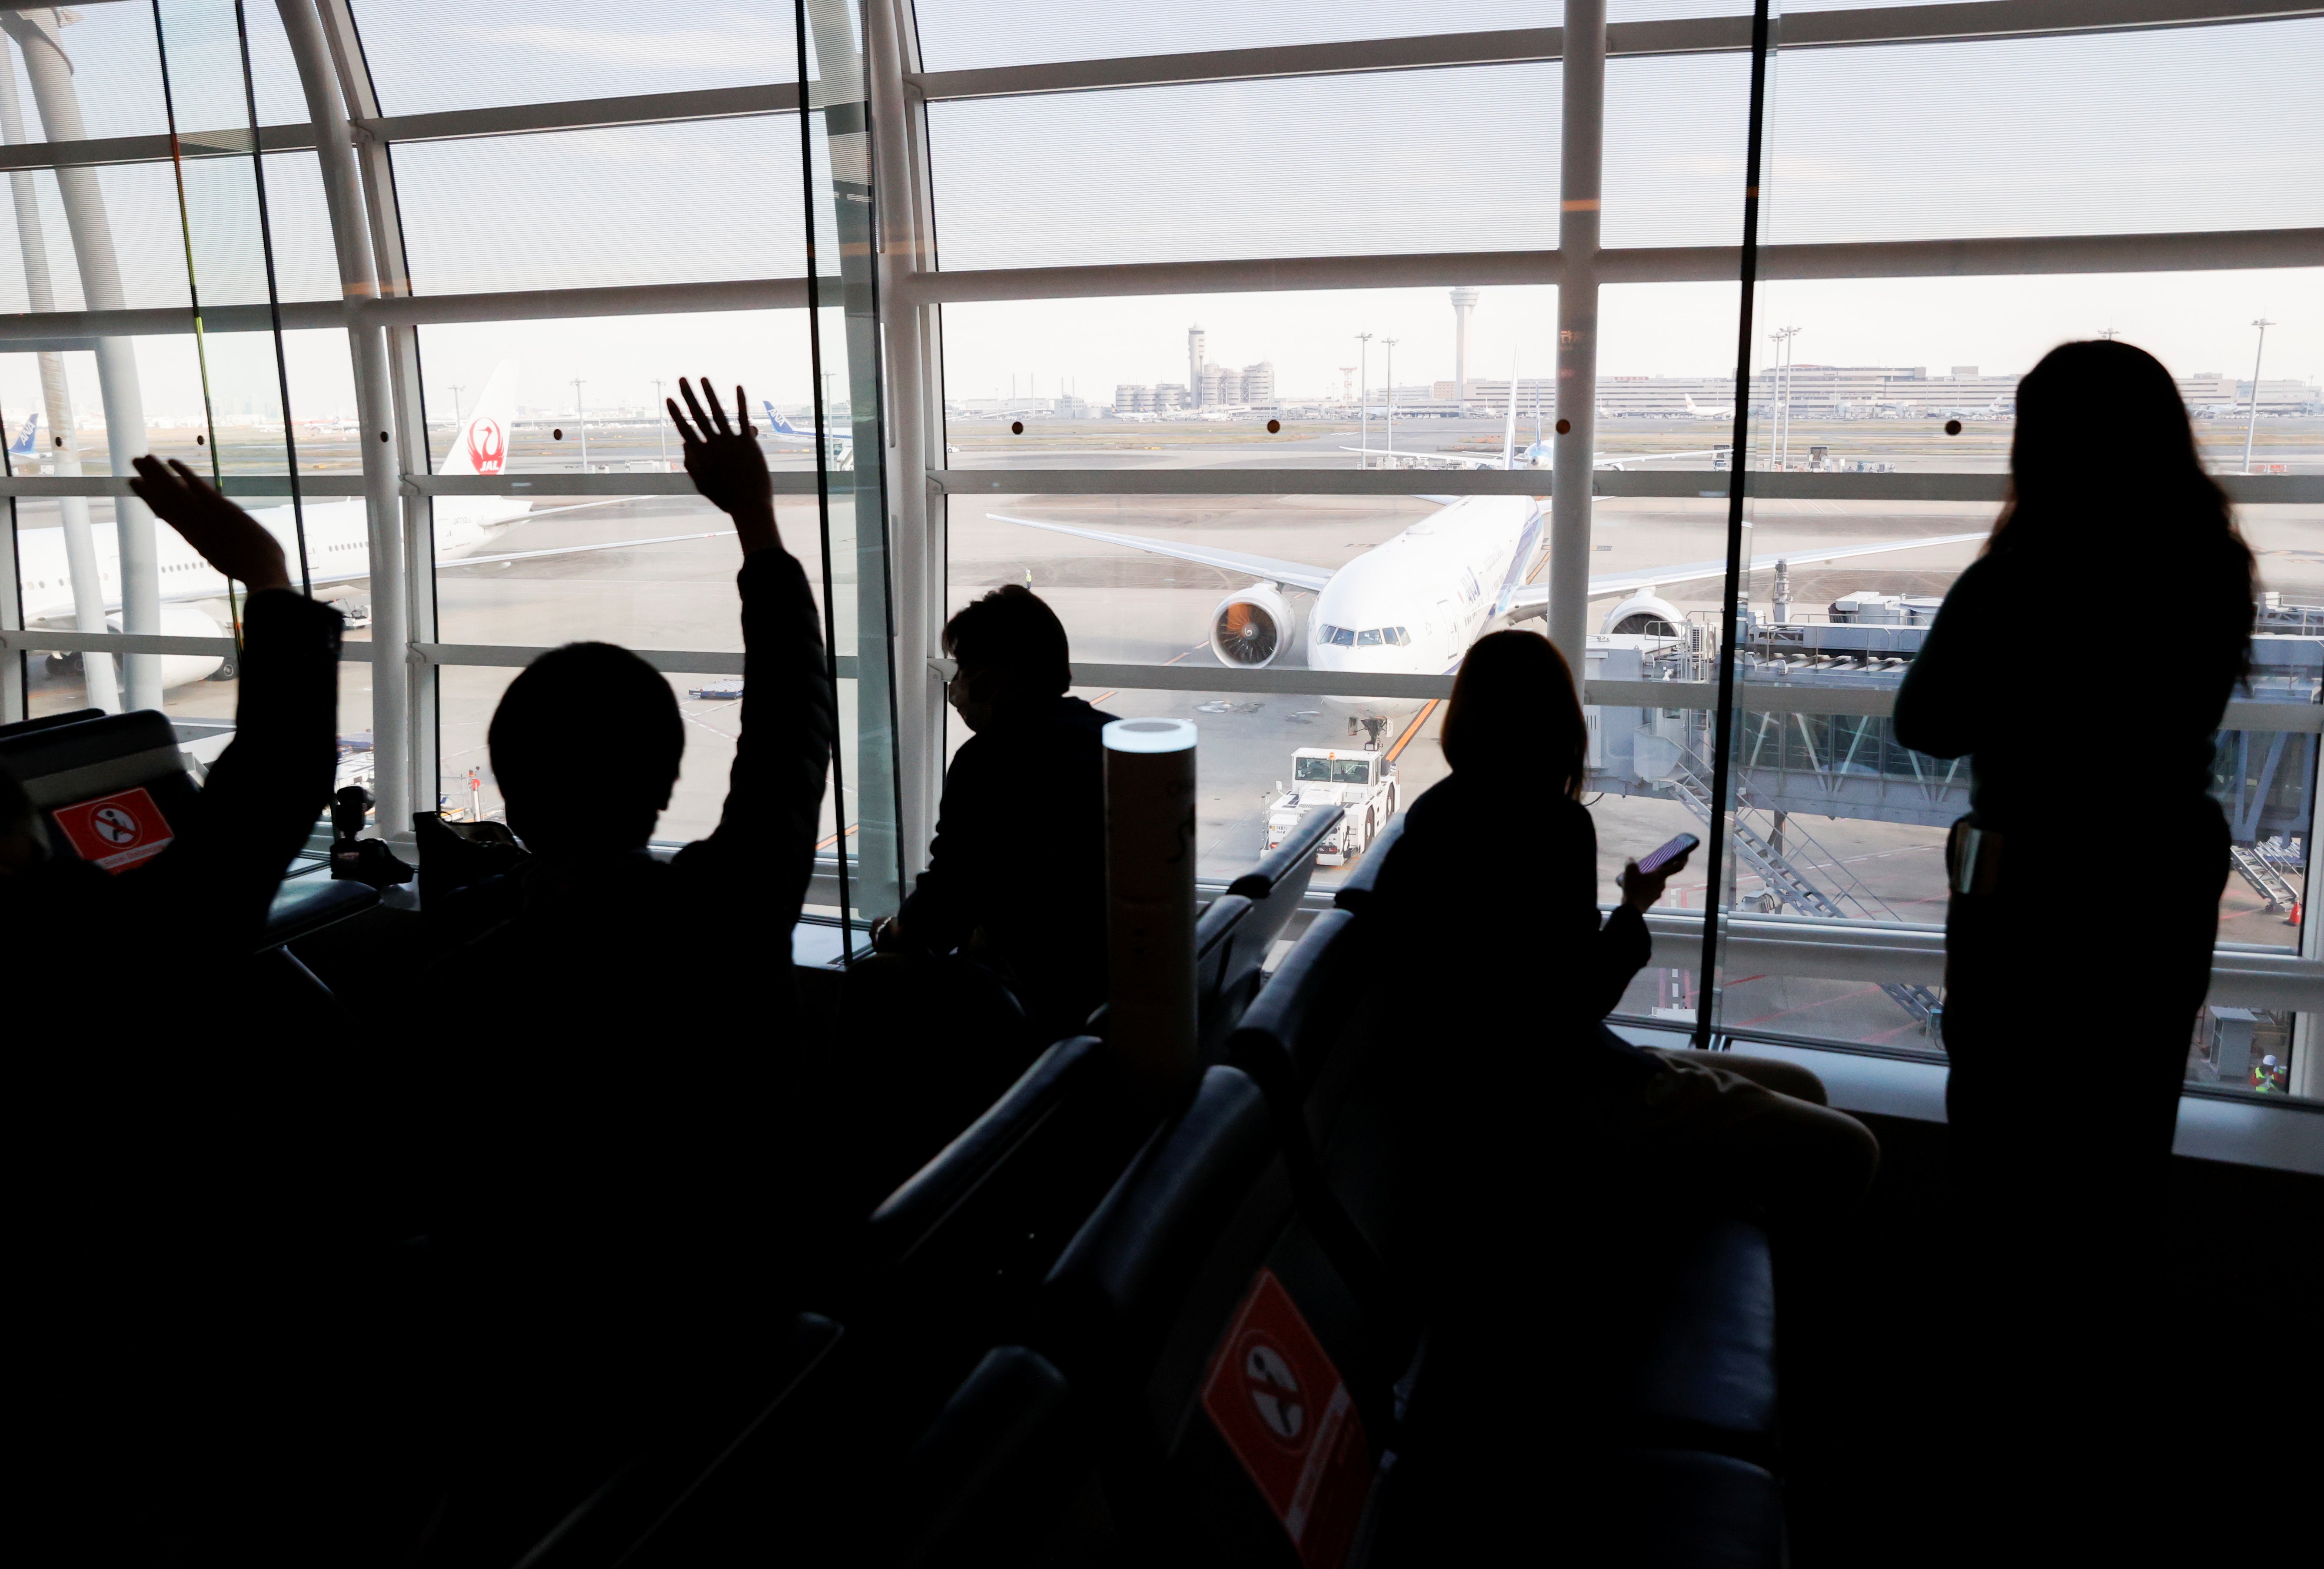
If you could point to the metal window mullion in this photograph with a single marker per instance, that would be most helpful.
(1580, 171)
(322, 74)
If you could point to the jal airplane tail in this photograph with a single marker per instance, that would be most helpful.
(481, 445)
(22, 445)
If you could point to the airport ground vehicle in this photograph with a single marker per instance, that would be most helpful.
(1363, 783)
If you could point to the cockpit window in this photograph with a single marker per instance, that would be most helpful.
(1312, 770)
(1352, 771)
(1344, 637)
(1369, 638)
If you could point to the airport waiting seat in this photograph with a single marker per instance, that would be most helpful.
(98, 778)
(1357, 888)
(1277, 888)
(1210, 1355)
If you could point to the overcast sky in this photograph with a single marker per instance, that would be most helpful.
(2194, 129)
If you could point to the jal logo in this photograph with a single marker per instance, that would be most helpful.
(487, 444)
(1274, 1391)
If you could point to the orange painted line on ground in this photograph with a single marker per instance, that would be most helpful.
(835, 838)
(1102, 697)
(1413, 729)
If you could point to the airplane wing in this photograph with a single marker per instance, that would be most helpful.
(1290, 574)
(1461, 460)
(1617, 460)
(1534, 596)
(572, 549)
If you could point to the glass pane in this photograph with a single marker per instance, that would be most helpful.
(1675, 131)
(966, 35)
(691, 203)
(1190, 381)
(1082, 179)
(427, 55)
(126, 216)
(2123, 122)
(96, 75)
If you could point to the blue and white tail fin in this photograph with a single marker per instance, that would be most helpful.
(481, 445)
(22, 445)
(780, 426)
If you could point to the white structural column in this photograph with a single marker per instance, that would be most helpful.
(390, 684)
(62, 448)
(50, 73)
(1580, 163)
(915, 422)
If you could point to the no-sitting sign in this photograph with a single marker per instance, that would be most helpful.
(117, 831)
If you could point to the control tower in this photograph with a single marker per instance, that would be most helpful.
(1464, 300)
(1195, 346)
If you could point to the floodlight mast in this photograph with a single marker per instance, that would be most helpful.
(581, 422)
(1392, 397)
(2251, 427)
(1363, 397)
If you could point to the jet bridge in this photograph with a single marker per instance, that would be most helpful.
(1791, 765)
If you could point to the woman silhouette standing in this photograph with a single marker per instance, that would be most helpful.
(2086, 883)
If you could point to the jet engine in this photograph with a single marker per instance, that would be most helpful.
(1647, 613)
(185, 621)
(1253, 627)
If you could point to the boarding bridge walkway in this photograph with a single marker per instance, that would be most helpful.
(1787, 882)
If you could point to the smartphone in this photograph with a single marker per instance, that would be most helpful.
(1663, 854)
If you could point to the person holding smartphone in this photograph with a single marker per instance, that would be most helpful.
(1538, 970)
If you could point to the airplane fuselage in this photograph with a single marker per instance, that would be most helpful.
(1413, 605)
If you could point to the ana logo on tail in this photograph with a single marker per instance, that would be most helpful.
(22, 445)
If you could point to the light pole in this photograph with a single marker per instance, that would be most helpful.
(1779, 438)
(1364, 397)
(1391, 394)
(456, 405)
(581, 422)
(2252, 428)
(661, 424)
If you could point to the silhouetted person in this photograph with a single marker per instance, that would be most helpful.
(188, 1161)
(2062, 1186)
(1540, 972)
(1016, 877)
(1541, 1147)
(610, 1097)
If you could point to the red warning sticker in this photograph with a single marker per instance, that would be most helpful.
(117, 831)
(1280, 1404)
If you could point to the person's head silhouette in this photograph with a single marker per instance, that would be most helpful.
(1011, 651)
(2104, 454)
(1514, 715)
(586, 744)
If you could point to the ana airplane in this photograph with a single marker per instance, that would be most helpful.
(841, 448)
(338, 544)
(21, 447)
(1413, 605)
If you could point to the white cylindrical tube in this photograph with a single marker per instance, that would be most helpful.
(1149, 886)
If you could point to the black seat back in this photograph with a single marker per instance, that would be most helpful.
(1357, 889)
(1220, 990)
(106, 789)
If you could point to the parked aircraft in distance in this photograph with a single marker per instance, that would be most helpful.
(338, 543)
(1413, 605)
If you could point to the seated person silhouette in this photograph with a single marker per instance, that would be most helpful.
(1542, 971)
(608, 1137)
(1000, 949)
(193, 1157)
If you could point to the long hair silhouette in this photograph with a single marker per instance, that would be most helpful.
(2104, 476)
(1514, 711)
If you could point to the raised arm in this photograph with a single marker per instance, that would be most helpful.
(263, 794)
(774, 794)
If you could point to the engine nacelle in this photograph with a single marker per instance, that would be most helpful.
(1253, 627)
(1647, 614)
(183, 621)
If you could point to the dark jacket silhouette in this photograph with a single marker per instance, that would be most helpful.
(1016, 877)
(608, 1096)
